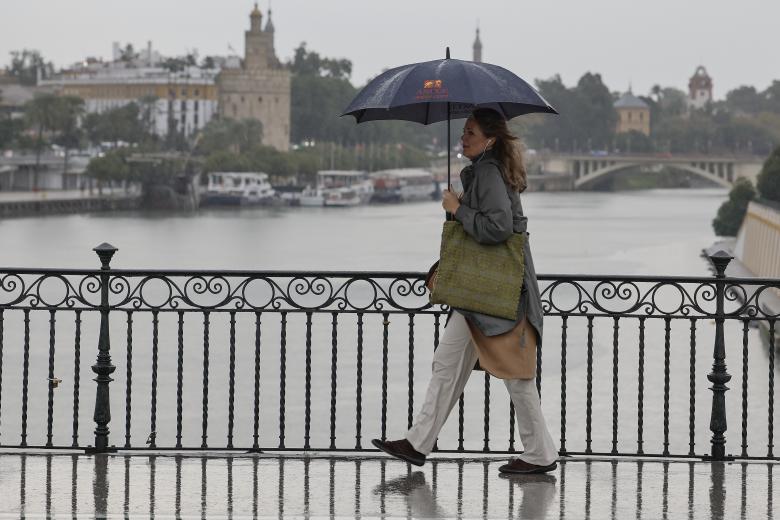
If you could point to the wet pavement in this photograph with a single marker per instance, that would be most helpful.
(330, 485)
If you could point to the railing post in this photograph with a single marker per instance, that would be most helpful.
(103, 367)
(719, 376)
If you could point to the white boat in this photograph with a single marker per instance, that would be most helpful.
(403, 185)
(238, 188)
(311, 196)
(339, 188)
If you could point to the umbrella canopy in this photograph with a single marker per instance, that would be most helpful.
(440, 90)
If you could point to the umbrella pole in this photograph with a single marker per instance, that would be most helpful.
(449, 148)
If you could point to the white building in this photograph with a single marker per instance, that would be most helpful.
(182, 101)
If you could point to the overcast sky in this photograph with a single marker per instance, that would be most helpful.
(627, 41)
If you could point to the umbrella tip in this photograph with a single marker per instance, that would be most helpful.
(448, 53)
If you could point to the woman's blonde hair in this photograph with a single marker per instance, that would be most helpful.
(506, 146)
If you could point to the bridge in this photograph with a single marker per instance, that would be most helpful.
(235, 393)
(586, 168)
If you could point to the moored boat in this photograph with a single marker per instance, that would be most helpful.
(343, 188)
(403, 185)
(238, 189)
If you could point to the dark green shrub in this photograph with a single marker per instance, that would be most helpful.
(769, 179)
(731, 212)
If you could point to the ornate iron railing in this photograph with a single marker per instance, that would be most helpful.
(316, 361)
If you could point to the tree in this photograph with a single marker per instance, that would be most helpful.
(230, 135)
(633, 142)
(745, 99)
(25, 65)
(732, 212)
(309, 63)
(10, 131)
(772, 97)
(769, 179)
(587, 115)
(108, 168)
(128, 54)
(43, 114)
(69, 131)
(118, 124)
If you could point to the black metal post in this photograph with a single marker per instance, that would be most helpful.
(719, 376)
(103, 367)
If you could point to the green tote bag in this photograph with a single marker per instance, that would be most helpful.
(478, 277)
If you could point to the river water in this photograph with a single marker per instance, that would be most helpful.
(656, 232)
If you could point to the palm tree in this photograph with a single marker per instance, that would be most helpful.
(42, 114)
(70, 132)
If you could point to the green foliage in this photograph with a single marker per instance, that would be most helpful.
(633, 142)
(229, 135)
(25, 65)
(587, 116)
(118, 124)
(11, 132)
(769, 179)
(110, 167)
(309, 63)
(70, 111)
(321, 90)
(732, 212)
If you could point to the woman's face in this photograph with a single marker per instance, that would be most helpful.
(474, 142)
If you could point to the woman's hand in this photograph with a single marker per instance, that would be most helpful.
(450, 201)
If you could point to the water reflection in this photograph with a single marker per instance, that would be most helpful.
(309, 486)
(420, 500)
(538, 494)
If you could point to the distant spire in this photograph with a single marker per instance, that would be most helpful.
(255, 19)
(269, 25)
(477, 47)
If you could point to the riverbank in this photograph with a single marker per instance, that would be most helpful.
(31, 203)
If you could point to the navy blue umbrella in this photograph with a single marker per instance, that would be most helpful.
(440, 90)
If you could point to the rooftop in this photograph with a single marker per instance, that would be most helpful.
(629, 100)
(319, 485)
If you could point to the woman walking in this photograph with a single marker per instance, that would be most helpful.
(490, 211)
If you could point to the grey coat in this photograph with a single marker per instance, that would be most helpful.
(490, 212)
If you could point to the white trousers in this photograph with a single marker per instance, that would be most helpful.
(453, 362)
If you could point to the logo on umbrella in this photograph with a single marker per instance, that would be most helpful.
(433, 89)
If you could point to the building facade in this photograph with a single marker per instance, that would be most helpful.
(699, 88)
(633, 114)
(181, 101)
(260, 87)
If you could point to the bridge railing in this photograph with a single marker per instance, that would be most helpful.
(256, 360)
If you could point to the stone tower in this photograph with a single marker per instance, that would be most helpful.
(699, 88)
(477, 48)
(260, 89)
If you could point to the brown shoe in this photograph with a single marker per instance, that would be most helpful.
(401, 449)
(522, 467)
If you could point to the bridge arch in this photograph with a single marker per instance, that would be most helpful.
(589, 178)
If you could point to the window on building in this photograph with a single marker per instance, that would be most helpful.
(172, 92)
(197, 92)
(641, 116)
(242, 99)
(184, 92)
(629, 115)
(260, 99)
(183, 106)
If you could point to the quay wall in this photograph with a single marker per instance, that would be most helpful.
(21, 208)
(758, 240)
